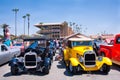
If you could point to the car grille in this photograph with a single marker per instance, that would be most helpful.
(89, 58)
(30, 60)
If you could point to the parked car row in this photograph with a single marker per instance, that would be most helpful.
(80, 54)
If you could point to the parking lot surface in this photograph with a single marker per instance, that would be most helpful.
(58, 72)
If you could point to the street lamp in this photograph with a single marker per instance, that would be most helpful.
(15, 10)
(24, 17)
(28, 15)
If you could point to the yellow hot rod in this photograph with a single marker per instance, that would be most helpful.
(80, 56)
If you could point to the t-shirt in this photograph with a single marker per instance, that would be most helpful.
(7, 42)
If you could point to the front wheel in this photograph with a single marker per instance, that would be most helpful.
(72, 69)
(46, 70)
(105, 68)
(102, 54)
(14, 70)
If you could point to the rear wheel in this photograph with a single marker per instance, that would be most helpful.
(66, 64)
(103, 54)
(14, 70)
(63, 60)
(53, 53)
(72, 69)
(105, 68)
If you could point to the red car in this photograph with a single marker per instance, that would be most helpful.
(109, 40)
(112, 51)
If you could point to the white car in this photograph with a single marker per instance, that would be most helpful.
(6, 53)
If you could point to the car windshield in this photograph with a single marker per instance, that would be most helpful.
(82, 43)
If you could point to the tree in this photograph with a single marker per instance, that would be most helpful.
(4, 27)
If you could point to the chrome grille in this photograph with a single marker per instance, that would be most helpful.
(89, 59)
(30, 60)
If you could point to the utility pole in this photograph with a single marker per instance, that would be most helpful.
(15, 10)
(28, 15)
(24, 17)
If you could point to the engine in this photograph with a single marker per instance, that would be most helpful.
(89, 59)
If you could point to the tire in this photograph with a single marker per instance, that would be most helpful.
(105, 69)
(46, 70)
(66, 65)
(63, 60)
(102, 54)
(53, 53)
(72, 69)
(50, 65)
(14, 70)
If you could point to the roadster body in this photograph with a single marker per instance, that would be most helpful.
(80, 56)
(35, 58)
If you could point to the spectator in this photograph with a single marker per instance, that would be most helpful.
(8, 42)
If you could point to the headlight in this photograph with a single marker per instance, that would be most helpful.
(80, 58)
(39, 59)
(100, 58)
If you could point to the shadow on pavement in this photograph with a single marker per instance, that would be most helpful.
(61, 65)
(97, 73)
(7, 74)
(3, 64)
(67, 73)
(37, 73)
(115, 67)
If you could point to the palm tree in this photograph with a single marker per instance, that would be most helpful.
(24, 17)
(28, 15)
(4, 26)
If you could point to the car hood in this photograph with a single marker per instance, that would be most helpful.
(81, 49)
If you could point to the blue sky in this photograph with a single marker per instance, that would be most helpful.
(97, 15)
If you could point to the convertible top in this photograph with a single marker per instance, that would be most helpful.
(34, 39)
(80, 39)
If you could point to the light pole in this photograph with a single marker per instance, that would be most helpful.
(15, 10)
(28, 15)
(24, 17)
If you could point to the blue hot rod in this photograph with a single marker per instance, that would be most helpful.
(37, 57)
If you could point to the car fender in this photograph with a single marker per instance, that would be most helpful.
(106, 51)
(13, 62)
(47, 61)
(65, 55)
(107, 61)
(74, 61)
